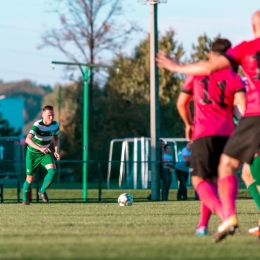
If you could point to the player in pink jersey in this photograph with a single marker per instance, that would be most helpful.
(214, 97)
(245, 141)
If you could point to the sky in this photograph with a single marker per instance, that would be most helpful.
(22, 23)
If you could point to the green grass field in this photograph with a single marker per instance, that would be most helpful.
(146, 230)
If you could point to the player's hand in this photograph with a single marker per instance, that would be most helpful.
(45, 150)
(57, 156)
(188, 132)
(164, 61)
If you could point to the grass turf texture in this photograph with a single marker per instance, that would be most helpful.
(146, 230)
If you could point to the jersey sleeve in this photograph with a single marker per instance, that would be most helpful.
(234, 55)
(33, 130)
(57, 131)
(188, 85)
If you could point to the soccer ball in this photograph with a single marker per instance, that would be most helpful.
(125, 199)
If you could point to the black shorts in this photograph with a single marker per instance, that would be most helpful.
(245, 140)
(205, 156)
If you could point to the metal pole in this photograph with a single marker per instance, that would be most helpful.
(85, 115)
(59, 106)
(85, 133)
(154, 104)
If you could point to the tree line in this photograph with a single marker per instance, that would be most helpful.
(119, 103)
(121, 106)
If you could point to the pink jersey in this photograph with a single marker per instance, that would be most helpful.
(213, 98)
(247, 54)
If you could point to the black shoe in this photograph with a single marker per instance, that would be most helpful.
(149, 197)
(43, 196)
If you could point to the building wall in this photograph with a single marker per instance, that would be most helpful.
(12, 109)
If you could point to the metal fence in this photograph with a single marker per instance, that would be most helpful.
(69, 176)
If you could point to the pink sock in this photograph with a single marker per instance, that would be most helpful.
(208, 196)
(228, 189)
(205, 212)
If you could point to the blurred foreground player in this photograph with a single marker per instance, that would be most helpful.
(214, 98)
(245, 141)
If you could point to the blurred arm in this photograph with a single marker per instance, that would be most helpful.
(239, 104)
(184, 111)
(197, 68)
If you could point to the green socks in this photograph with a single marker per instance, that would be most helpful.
(254, 193)
(26, 188)
(48, 179)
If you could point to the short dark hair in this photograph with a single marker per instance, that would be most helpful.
(166, 146)
(220, 45)
(48, 107)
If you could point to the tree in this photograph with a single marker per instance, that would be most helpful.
(133, 85)
(122, 108)
(89, 30)
(202, 48)
(70, 101)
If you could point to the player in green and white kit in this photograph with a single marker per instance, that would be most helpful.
(39, 138)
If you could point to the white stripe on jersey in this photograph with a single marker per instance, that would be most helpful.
(44, 128)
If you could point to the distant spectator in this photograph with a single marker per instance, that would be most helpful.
(182, 171)
(168, 165)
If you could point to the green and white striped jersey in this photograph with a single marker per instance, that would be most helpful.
(43, 134)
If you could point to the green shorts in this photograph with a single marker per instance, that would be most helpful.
(33, 160)
(255, 169)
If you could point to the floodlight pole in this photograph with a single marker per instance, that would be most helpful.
(154, 103)
(59, 101)
(85, 74)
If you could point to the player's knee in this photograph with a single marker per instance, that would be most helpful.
(196, 180)
(227, 166)
(29, 178)
(246, 174)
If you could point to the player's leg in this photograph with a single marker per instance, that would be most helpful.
(240, 148)
(228, 189)
(27, 182)
(204, 161)
(169, 183)
(179, 175)
(205, 213)
(48, 163)
(251, 178)
(32, 162)
(208, 196)
(26, 188)
(184, 191)
(228, 183)
(202, 227)
(165, 181)
(182, 184)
